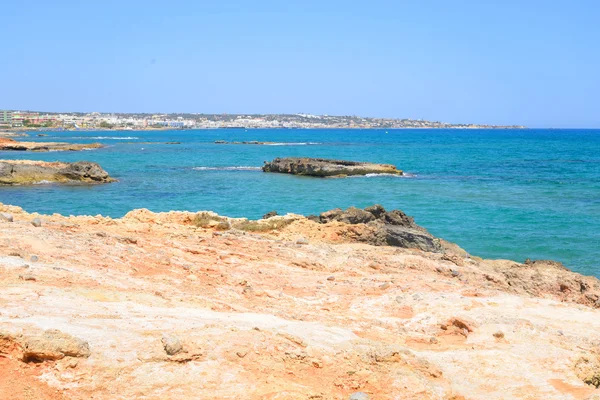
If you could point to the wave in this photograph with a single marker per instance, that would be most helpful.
(242, 168)
(100, 137)
(292, 144)
(405, 175)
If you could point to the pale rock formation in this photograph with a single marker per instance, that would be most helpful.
(261, 319)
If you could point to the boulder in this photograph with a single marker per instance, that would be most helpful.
(85, 171)
(270, 214)
(53, 345)
(6, 217)
(393, 228)
(171, 344)
(321, 167)
(377, 210)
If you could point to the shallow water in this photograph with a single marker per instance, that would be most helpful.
(499, 194)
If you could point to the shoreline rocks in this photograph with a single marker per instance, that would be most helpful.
(154, 305)
(385, 228)
(24, 172)
(320, 167)
(4, 134)
(7, 144)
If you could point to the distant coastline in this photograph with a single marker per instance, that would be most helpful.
(23, 131)
(30, 120)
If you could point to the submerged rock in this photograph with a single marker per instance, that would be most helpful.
(24, 172)
(321, 167)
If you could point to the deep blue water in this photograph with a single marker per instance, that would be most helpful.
(497, 193)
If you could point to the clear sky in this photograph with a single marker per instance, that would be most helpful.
(527, 62)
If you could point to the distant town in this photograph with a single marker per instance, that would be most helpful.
(19, 120)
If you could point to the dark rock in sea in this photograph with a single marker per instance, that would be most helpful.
(393, 228)
(320, 167)
(270, 214)
(85, 171)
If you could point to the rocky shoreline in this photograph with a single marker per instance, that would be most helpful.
(7, 144)
(320, 167)
(25, 172)
(170, 305)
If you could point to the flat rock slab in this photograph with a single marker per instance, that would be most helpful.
(321, 167)
(7, 144)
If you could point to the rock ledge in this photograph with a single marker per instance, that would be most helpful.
(321, 167)
(22, 172)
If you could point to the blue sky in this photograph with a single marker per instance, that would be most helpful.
(527, 62)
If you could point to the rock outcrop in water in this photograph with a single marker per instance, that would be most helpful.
(22, 172)
(185, 305)
(7, 144)
(321, 167)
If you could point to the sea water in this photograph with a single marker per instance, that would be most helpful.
(512, 194)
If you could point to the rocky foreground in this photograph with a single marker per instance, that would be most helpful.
(26, 172)
(7, 144)
(186, 305)
(321, 167)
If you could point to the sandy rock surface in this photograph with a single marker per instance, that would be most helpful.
(173, 306)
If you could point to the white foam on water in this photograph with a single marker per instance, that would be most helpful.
(405, 175)
(292, 144)
(103, 137)
(242, 168)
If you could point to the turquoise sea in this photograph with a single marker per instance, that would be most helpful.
(511, 194)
